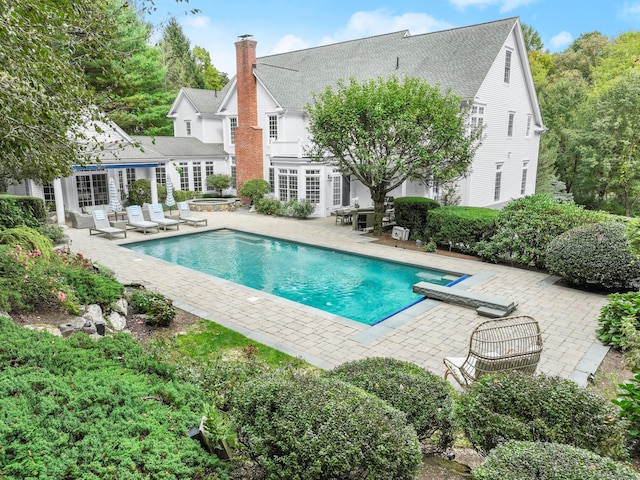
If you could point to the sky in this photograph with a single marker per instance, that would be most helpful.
(282, 26)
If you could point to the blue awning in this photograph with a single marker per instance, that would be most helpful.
(111, 166)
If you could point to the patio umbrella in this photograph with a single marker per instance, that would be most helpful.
(114, 201)
(170, 201)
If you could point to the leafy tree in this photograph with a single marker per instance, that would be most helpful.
(623, 55)
(254, 188)
(583, 55)
(180, 62)
(532, 40)
(219, 181)
(213, 79)
(387, 131)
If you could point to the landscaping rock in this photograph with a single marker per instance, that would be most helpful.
(93, 313)
(117, 321)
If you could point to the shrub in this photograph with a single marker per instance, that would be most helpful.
(549, 461)
(29, 240)
(526, 226)
(622, 309)
(516, 406)
(269, 206)
(303, 426)
(86, 409)
(255, 189)
(424, 397)
(411, 213)
(594, 255)
(629, 402)
(139, 192)
(460, 228)
(298, 208)
(91, 287)
(158, 309)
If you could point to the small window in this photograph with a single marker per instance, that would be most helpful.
(523, 185)
(510, 127)
(507, 66)
(498, 183)
(273, 127)
(528, 130)
(477, 116)
(187, 127)
(233, 124)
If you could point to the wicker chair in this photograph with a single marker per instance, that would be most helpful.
(498, 345)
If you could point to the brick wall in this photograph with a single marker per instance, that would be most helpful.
(249, 154)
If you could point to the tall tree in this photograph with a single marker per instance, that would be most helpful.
(213, 79)
(387, 131)
(42, 90)
(532, 40)
(178, 58)
(583, 55)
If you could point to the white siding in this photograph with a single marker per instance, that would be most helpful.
(185, 111)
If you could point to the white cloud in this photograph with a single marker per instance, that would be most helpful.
(289, 43)
(504, 5)
(560, 41)
(198, 21)
(364, 24)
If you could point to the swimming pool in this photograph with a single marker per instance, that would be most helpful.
(360, 288)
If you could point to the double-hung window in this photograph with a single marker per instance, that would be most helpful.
(233, 124)
(507, 66)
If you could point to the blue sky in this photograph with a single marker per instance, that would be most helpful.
(282, 26)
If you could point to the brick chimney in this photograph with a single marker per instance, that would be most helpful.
(249, 155)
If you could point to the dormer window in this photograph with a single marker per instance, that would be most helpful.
(187, 127)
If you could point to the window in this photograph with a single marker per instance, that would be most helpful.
(272, 179)
(288, 182)
(507, 66)
(273, 127)
(121, 180)
(523, 185)
(197, 176)
(337, 190)
(528, 130)
(498, 183)
(184, 175)
(312, 186)
(510, 127)
(187, 127)
(161, 175)
(234, 183)
(435, 190)
(131, 176)
(92, 189)
(208, 168)
(233, 124)
(477, 116)
(49, 194)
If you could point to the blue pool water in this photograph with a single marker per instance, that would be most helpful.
(360, 288)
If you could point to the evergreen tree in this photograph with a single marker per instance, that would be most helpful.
(182, 70)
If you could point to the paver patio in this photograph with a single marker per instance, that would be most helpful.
(424, 334)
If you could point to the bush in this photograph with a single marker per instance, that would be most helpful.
(516, 406)
(629, 402)
(29, 240)
(549, 461)
(255, 189)
(460, 228)
(218, 182)
(594, 255)
(298, 208)
(303, 426)
(424, 397)
(411, 213)
(91, 287)
(158, 309)
(526, 226)
(269, 206)
(86, 409)
(139, 192)
(622, 310)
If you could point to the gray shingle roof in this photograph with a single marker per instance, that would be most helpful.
(180, 146)
(458, 59)
(205, 101)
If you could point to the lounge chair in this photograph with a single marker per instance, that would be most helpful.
(157, 215)
(186, 217)
(101, 225)
(498, 345)
(136, 220)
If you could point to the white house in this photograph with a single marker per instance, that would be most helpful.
(257, 125)
(259, 118)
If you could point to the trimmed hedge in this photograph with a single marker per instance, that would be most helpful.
(516, 406)
(460, 228)
(594, 255)
(305, 426)
(425, 398)
(411, 213)
(549, 461)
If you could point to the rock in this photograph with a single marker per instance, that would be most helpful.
(121, 306)
(93, 314)
(118, 322)
(44, 327)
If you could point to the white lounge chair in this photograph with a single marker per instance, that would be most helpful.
(157, 215)
(101, 225)
(186, 217)
(136, 220)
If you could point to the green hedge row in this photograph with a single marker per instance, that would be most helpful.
(411, 213)
(460, 228)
